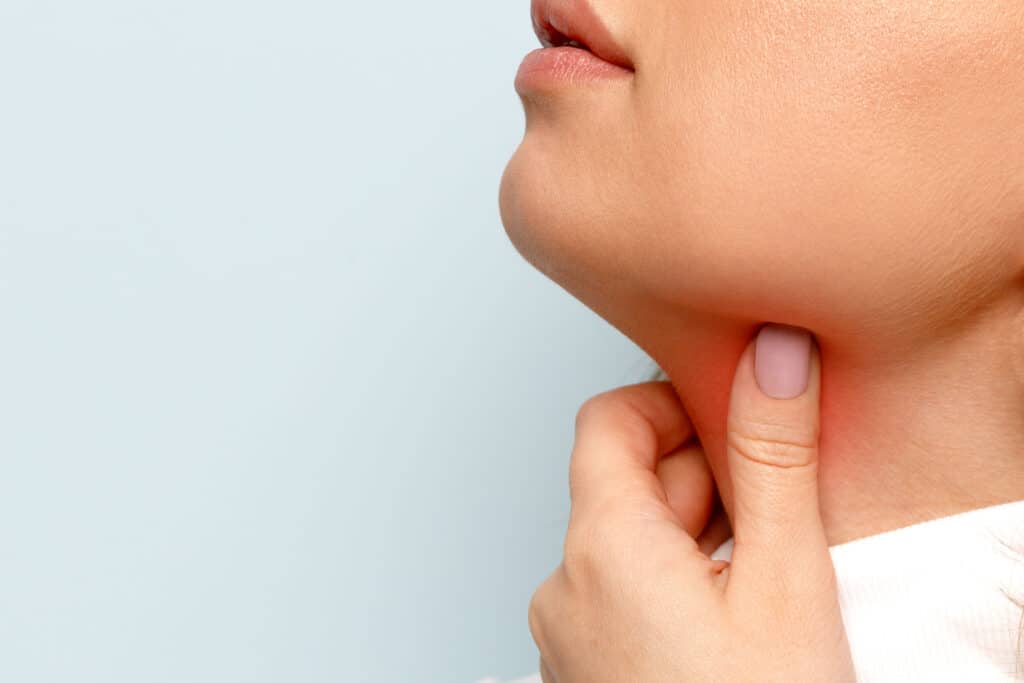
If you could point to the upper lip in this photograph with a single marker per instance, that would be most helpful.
(556, 22)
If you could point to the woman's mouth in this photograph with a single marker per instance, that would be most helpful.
(576, 48)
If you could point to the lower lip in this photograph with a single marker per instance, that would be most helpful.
(553, 66)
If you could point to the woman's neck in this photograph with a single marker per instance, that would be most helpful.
(905, 436)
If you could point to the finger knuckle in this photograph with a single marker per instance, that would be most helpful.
(774, 444)
(615, 411)
(596, 408)
(548, 597)
(535, 613)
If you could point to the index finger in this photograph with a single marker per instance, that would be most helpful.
(620, 436)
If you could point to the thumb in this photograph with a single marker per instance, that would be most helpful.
(772, 451)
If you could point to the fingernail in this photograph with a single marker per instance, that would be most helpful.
(782, 360)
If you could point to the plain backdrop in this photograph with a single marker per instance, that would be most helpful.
(280, 401)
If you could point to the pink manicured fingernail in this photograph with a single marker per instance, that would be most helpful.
(782, 360)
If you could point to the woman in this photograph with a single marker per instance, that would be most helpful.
(852, 172)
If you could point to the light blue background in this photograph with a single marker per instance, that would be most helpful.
(280, 401)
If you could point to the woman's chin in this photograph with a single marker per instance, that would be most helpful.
(544, 216)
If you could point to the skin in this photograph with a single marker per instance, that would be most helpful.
(852, 168)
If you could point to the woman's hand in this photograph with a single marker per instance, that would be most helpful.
(636, 598)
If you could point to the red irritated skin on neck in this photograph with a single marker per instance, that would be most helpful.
(703, 381)
(927, 466)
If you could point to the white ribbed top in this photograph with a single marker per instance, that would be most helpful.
(932, 601)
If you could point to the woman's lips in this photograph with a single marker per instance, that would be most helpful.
(548, 67)
(578, 48)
